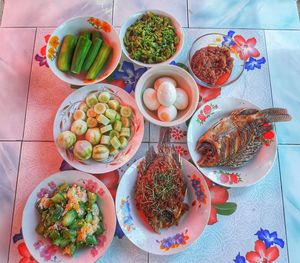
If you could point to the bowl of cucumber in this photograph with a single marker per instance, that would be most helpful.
(71, 215)
(83, 50)
(98, 128)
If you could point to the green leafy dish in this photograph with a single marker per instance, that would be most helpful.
(151, 39)
(70, 218)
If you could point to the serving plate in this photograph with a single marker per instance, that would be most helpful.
(249, 174)
(63, 120)
(41, 248)
(176, 238)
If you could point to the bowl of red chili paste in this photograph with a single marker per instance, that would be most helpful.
(214, 61)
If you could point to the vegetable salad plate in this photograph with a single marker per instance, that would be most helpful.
(98, 128)
(246, 168)
(70, 238)
(167, 240)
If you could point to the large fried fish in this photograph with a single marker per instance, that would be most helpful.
(234, 140)
(160, 188)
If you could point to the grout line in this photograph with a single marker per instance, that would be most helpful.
(112, 12)
(148, 257)
(282, 200)
(187, 13)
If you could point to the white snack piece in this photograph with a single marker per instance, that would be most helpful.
(167, 113)
(182, 99)
(166, 94)
(162, 80)
(150, 99)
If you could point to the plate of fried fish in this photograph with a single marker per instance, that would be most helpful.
(232, 141)
(163, 201)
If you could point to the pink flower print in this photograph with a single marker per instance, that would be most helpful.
(207, 109)
(38, 244)
(94, 252)
(101, 240)
(48, 251)
(52, 185)
(201, 116)
(177, 134)
(180, 150)
(224, 178)
(246, 48)
(43, 192)
(91, 186)
(100, 192)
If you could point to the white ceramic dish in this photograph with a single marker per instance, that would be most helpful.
(176, 238)
(132, 19)
(39, 247)
(255, 170)
(75, 26)
(63, 120)
(184, 80)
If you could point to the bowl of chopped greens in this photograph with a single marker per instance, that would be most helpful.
(151, 38)
(69, 217)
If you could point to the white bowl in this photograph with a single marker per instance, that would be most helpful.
(75, 26)
(190, 227)
(252, 172)
(37, 243)
(132, 19)
(184, 80)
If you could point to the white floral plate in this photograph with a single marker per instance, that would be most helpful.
(63, 121)
(41, 248)
(247, 175)
(175, 238)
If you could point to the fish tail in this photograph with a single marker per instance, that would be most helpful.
(276, 114)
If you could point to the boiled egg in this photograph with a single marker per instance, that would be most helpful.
(182, 99)
(159, 81)
(166, 94)
(150, 99)
(167, 113)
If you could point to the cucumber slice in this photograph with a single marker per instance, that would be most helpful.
(126, 111)
(79, 115)
(118, 116)
(125, 132)
(91, 122)
(104, 97)
(91, 113)
(111, 114)
(125, 122)
(124, 142)
(117, 125)
(113, 151)
(106, 128)
(105, 139)
(102, 119)
(114, 104)
(91, 100)
(114, 133)
(115, 142)
(100, 108)
(83, 107)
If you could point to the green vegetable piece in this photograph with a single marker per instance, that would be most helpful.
(104, 97)
(63, 188)
(126, 111)
(58, 198)
(80, 53)
(117, 125)
(105, 129)
(85, 34)
(111, 114)
(61, 242)
(90, 58)
(100, 229)
(113, 151)
(114, 133)
(91, 100)
(40, 229)
(65, 54)
(115, 142)
(69, 217)
(114, 104)
(92, 198)
(69, 234)
(77, 224)
(54, 234)
(102, 119)
(53, 214)
(105, 139)
(226, 208)
(95, 34)
(124, 142)
(89, 217)
(91, 240)
(118, 117)
(125, 132)
(101, 58)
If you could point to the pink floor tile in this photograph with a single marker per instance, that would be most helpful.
(38, 160)
(9, 161)
(46, 93)
(51, 13)
(15, 62)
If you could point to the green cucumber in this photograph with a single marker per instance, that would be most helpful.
(126, 111)
(115, 142)
(114, 133)
(101, 58)
(124, 142)
(125, 132)
(117, 125)
(85, 34)
(113, 104)
(92, 54)
(95, 34)
(106, 128)
(111, 114)
(102, 119)
(105, 139)
(80, 53)
(65, 54)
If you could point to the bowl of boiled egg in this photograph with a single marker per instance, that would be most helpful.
(167, 95)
